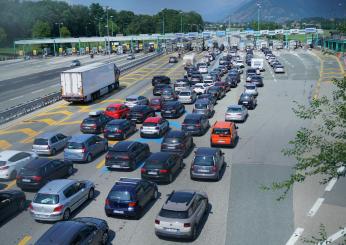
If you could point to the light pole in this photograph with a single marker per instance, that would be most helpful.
(258, 15)
(99, 20)
(181, 21)
(112, 23)
(163, 21)
(108, 48)
(59, 24)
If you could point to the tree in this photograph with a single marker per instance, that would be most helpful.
(3, 35)
(320, 150)
(65, 32)
(41, 29)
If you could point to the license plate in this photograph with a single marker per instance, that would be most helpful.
(245, 102)
(171, 229)
(221, 141)
(170, 147)
(133, 119)
(203, 171)
(115, 166)
(190, 127)
(118, 212)
(152, 172)
(26, 180)
(41, 215)
(167, 112)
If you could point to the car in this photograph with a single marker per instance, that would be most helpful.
(11, 202)
(200, 88)
(203, 69)
(126, 155)
(216, 75)
(195, 124)
(134, 100)
(218, 72)
(182, 214)
(119, 129)
(158, 88)
(168, 94)
(12, 161)
(236, 113)
(223, 68)
(216, 91)
(117, 111)
(209, 80)
(173, 59)
(212, 100)
(224, 86)
(154, 127)
(162, 166)
(196, 78)
(257, 80)
(250, 88)
(160, 80)
(187, 96)
(59, 198)
(94, 123)
(129, 197)
(239, 63)
(155, 103)
(177, 142)
(232, 81)
(131, 57)
(49, 143)
(83, 148)
(203, 107)
(248, 100)
(249, 73)
(139, 113)
(172, 109)
(181, 84)
(75, 63)
(279, 69)
(275, 63)
(208, 163)
(223, 133)
(82, 230)
(190, 70)
(40, 171)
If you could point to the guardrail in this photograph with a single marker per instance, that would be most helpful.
(35, 104)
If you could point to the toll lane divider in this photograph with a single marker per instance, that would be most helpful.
(38, 103)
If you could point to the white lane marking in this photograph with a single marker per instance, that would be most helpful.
(335, 236)
(315, 207)
(54, 85)
(37, 91)
(295, 236)
(18, 97)
(331, 184)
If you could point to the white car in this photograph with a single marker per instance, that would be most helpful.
(200, 88)
(134, 100)
(12, 161)
(237, 113)
(209, 80)
(203, 69)
(250, 88)
(279, 69)
(240, 63)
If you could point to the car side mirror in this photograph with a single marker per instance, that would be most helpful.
(236, 127)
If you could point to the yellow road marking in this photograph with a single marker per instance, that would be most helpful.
(318, 85)
(69, 123)
(30, 139)
(112, 101)
(100, 164)
(27, 131)
(48, 121)
(4, 145)
(332, 73)
(64, 112)
(10, 185)
(25, 240)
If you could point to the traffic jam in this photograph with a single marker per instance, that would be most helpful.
(194, 98)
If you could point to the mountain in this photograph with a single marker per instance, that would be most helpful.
(282, 10)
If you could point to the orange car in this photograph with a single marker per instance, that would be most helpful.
(223, 134)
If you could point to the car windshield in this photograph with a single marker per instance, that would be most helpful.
(40, 141)
(155, 102)
(244, 97)
(185, 93)
(74, 145)
(221, 131)
(201, 106)
(49, 199)
(234, 109)
(203, 160)
(112, 109)
(131, 99)
(89, 121)
(168, 106)
(191, 121)
(173, 214)
(167, 92)
(120, 195)
(250, 87)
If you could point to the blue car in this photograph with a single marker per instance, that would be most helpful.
(129, 196)
(85, 147)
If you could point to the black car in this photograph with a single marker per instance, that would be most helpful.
(248, 100)
(232, 81)
(119, 129)
(208, 97)
(177, 142)
(218, 92)
(128, 197)
(172, 109)
(258, 80)
(196, 78)
(83, 230)
(190, 70)
(160, 80)
(157, 90)
(126, 155)
(139, 113)
(234, 74)
(11, 202)
(173, 59)
(40, 171)
(94, 123)
(195, 124)
(162, 166)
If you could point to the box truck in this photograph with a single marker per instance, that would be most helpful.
(87, 83)
(189, 59)
(257, 63)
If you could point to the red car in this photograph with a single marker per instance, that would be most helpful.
(155, 103)
(117, 111)
(224, 85)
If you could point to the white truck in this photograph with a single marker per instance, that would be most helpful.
(257, 63)
(87, 83)
(189, 59)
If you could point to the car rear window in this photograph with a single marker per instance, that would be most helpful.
(74, 145)
(155, 102)
(203, 161)
(172, 140)
(234, 109)
(201, 106)
(191, 121)
(111, 109)
(2, 163)
(131, 99)
(29, 171)
(120, 195)
(173, 214)
(49, 199)
(154, 163)
(221, 131)
(89, 121)
(40, 141)
(150, 124)
(250, 87)
(184, 93)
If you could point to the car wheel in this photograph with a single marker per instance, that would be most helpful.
(91, 194)
(21, 205)
(218, 176)
(155, 195)
(89, 158)
(170, 178)
(70, 171)
(13, 175)
(123, 137)
(105, 148)
(104, 238)
(53, 152)
(66, 215)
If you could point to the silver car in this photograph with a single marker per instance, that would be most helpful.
(237, 113)
(50, 143)
(134, 100)
(59, 198)
(187, 96)
(250, 88)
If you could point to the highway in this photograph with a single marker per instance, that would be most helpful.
(241, 212)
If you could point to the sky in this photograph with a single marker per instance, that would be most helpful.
(211, 10)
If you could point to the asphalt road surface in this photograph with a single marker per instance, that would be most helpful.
(241, 212)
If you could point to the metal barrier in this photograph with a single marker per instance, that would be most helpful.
(35, 104)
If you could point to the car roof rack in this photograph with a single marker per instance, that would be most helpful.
(170, 196)
(188, 203)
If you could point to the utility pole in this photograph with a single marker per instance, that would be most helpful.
(108, 48)
(258, 15)
(163, 22)
(59, 23)
(181, 21)
(112, 23)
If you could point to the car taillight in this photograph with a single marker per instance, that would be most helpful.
(37, 178)
(4, 167)
(198, 125)
(157, 221)
(83, 149)
(164, 171)
(94, 126)
(58, 208)
(30, 206)
(143, 170)
(119, 131)
(108, 156)
(132, 204)
(214, 169)
(107, 202)
(187, 224)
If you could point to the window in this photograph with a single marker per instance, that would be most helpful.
(120, 195)
(49, 168)
(69, 191)
(139, 191)
(61, 136)
(15, 158)
(54, 139)
(145, 185)
(174, 214)
(40, 141)
(49, 199)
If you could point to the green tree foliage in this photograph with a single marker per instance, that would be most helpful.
(3, 35)
(41, 29)
(65, 32)
(320, 150)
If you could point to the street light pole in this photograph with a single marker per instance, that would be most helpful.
(59, 23)
(108, 48)
(258, 16)
(112, 24)
(181, 21)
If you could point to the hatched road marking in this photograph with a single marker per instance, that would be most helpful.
(4, 145)
(25, 240)
(295, 236)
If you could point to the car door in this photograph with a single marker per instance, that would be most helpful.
(5, 206)
(136, 149)
(89, 235)
(60, 168)
(18, 161)
(140, 196)
(50, 172)
(148, 191)
(198, 207)
(61, 141)
(54, 143)
(71, 197)
(96, 141)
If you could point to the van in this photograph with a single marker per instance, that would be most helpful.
(223, 134)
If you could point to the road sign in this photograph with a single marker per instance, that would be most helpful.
(264, 32)
(220, 33)
(294, 31)
(206, 34)
(310, 30)
(271, 33)
(279, 31)
(193, 34)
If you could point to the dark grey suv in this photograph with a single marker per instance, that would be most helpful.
(195, 124)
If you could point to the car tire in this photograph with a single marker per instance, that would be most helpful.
(13, 175)
(170, 178)
(89, 158)
(70, 171)
(155, 195)
(91, 194)
(53, 152)
(66, 215)
(21, 205)
(194, 233)
(104, 238)
(105, 148)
